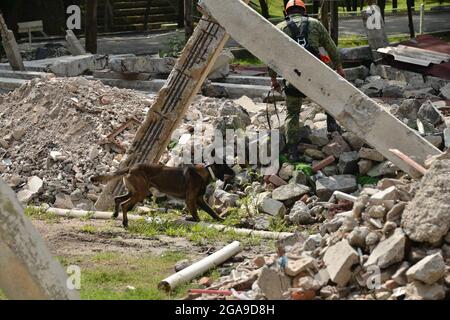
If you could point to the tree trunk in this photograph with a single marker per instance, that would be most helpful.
(334, 23)
(382, 5)
(91, 26)
(394, 5)
(410, 3)
(324, 14)
(264, 9)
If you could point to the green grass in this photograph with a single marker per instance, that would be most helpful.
(253, 61)
(198, 234)
(107, 275)
(40, 214)
(276, 7)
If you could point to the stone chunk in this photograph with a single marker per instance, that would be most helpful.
(273, 284)
(289, 192)
(272, 207)
(327, 185)
(428, 270)
(339, 259)
(388, 251)
(300, 214)
(319, 135)
(371, 154)
(420, 291)
(294, 267)
(427, 217)
(348, 162)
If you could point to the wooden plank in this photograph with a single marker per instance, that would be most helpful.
(27, 269)
(25, 27)
(164, 116)
(351, 107)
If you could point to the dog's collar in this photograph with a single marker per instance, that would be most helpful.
(211, 172)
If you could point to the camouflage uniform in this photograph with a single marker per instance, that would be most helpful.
(317, 37)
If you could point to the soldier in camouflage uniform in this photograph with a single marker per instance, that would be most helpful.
(316, 36)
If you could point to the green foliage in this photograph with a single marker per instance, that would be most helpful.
(176, 43)
(305, 167)
(363, 180)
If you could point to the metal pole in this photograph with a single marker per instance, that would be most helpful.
(422, 17)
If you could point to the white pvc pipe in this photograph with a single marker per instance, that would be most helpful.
(342, 196)
(201, 266)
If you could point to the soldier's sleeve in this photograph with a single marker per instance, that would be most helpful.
(272, 72)
(328, 44)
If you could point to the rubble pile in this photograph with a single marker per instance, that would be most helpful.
(53, 137)
(391, 245)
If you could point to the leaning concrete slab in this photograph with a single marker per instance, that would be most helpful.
(27, 269)
(352, 108)
(173, 100)
(74, 45)
(10, 46)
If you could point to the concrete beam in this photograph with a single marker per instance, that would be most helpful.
(10, 46)
(145, 64)
(352, 108)
(10, 84)
(27, 269)
(172, 101)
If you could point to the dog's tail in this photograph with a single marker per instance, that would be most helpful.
(108, 177)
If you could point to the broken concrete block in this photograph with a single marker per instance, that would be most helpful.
(377, 212)
(319, 134)
(225, 198)
(276, 180)
(348, 162)
(286, 171)
(428, 270)
(353, 140)
(289, 191)
(427, 217)
(445, 91)
(382, 169)
(327, 185)
(273, 284)
(272, 207)
(364, 166)
(35, 184)
(388, 251)
(142, 64)
(396, 211)
(298, 177)
(434, 140)
(417, 290)
(73, 66)
(359, 53)
(429, 113)
(380, 197)
(221, 68)
(336, 147)
(24, 196)
(371, 154)
(294, 267)
(339, 259)
(360, 72)
(357, 238)
(73, 44)
(300, 214)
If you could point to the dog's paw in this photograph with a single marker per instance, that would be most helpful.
(125, 224)
(192, 219)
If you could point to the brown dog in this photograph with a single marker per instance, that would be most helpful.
(187, 182)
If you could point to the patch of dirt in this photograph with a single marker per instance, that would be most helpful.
(74, 237)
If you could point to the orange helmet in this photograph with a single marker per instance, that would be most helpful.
(295, 3)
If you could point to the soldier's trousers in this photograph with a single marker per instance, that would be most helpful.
(292, 122)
